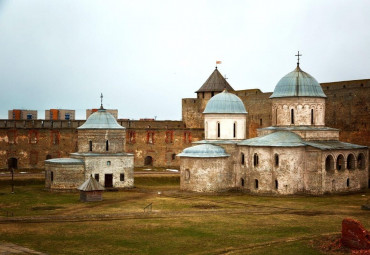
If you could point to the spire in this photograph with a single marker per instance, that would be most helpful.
(101, 101)
(215, 83)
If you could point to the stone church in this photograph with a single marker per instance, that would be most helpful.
(297, 154)
(101, 154)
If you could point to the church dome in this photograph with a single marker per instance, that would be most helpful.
(204, 151)
(101, 120)
(298, 84)
(225, 102)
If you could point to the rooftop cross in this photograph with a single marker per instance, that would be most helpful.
(298, 55)
(101, 101)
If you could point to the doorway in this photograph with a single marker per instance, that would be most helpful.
(108, 180)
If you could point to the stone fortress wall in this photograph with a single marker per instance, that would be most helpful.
(27, 143)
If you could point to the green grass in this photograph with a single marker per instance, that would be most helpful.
(194, 224)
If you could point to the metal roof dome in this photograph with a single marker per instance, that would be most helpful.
(298, 84)
(101, 120)
(204, 151)
(225, 102)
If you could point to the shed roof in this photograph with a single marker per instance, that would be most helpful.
(215, 82)
(90, 185)
(334, 145)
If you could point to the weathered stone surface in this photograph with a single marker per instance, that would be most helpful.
(354, 235)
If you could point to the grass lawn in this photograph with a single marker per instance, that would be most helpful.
(179, 223)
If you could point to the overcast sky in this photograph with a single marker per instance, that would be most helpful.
(144, 56)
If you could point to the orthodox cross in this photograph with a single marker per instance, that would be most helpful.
(101, 100)
(298, 55)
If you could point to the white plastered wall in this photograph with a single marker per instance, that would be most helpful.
(226, 126)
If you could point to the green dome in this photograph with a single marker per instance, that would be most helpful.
(298, 84)
(204, 151)
(225, 102)
(101, 120)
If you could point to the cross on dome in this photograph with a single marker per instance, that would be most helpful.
(298, 55)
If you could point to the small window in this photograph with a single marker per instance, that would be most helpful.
(122, 177)
(218, 129)
(234, 130)
(260, 122)
(255, 159)
(361, 161)
(173, 156)
(242, 182)
(107, 145)
(347, 182)
(256, 184)
(276, 184)
(29, 116)
(96, 176)
(212, 94)
(276, 160)
(51, 176)
(329, 163)
(90, 145)
(242, 159)
(108, 163)
(351, 162)
(67, 116)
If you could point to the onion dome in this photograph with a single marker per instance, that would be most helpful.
(225, 102)
(298, 84)
(215, 83)
(204, 151)
(101, 120)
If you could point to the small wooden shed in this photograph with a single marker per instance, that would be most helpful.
(91, 190)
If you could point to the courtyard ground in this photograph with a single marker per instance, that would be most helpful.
(177, 223)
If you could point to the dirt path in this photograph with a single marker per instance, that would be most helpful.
(9, 248)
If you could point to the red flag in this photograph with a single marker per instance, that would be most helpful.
(218, 62)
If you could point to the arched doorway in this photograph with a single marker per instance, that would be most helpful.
(48, 157)
(12, 163)
(148, 161)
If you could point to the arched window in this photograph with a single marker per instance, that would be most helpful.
(351, 162)
(255, 159)
(276, 160)
(329, 163)
(340, 162)
(256, 184)
(234, 130)
(187, 174)
(90, 145)
(361, 161)
(107, 145)
(312, 117)
(291, 116)
(108, 163)
(276, 184)
(242, 159)
(218, 129)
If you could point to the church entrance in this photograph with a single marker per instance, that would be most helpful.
(148, 161)
(108, 180)
(12, 163)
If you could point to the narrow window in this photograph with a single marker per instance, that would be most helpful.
(256, 184)
(361, 161)
(234, 130)
(67, 116)
(340, 162)
(291, 116)
(108, 163)
(96, 177)
(218, 129)
(173, 156)
(329, 163)
(351, 162)
(122, 177)
(347, 182)
(243, 159)
(260, 122)
(90, 145)
(276, 160)
(51, 176)
(29, 116)
(107, 145)
(276, 184)
(242, 182)
(212, 94)
(311, 116)
(276, 120)
(202, 94)
(255, 159)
